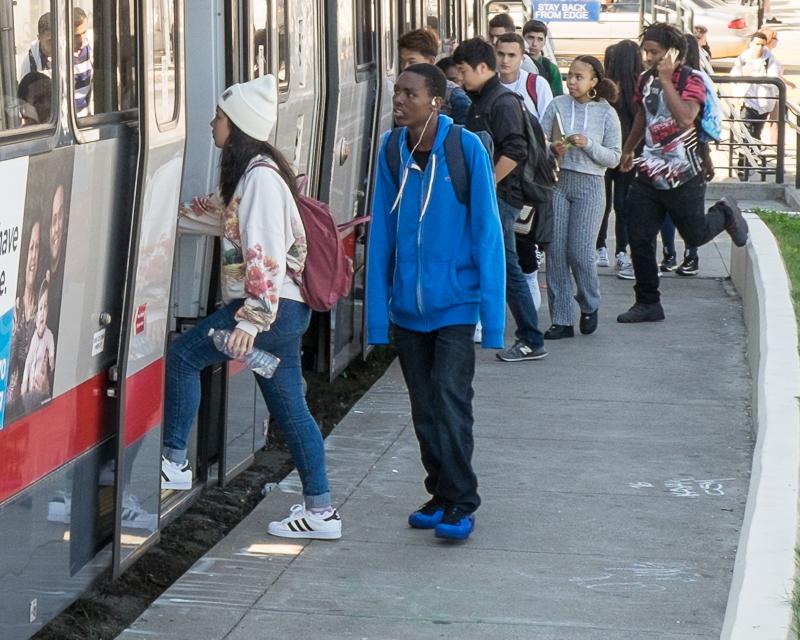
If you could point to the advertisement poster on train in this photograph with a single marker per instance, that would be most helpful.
(13, 190)
(37, 304)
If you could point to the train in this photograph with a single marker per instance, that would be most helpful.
(104, 130)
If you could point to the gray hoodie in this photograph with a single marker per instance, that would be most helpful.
(598, 122)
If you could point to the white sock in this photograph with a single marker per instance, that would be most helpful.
(533, 285)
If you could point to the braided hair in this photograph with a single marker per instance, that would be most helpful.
(666, 35)
(605, 88)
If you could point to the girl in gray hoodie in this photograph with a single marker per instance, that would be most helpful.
(585, 134)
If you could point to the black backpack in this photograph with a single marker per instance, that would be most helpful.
(539, 170)
(454, 154)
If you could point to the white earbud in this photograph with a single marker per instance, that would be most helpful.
(433, 102)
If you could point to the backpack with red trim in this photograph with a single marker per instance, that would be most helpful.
(532, 92)
(328, 272)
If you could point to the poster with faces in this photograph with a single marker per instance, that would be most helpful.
(13, 175)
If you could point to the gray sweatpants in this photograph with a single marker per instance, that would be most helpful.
(578, 203)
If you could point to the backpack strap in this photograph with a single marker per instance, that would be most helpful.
(531, 86)
(456, 166)
(393, 155)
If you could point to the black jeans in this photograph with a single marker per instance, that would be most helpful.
(647, 207)
(438, 368)
(755, 127)
(618, 184)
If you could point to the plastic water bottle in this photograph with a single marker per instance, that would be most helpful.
(261, 362)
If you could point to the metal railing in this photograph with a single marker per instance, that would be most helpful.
(793, 111)
(753, 154)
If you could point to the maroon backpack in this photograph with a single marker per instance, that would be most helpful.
(328, 272)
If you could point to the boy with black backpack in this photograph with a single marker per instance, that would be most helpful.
(500, 112)
(670, 172)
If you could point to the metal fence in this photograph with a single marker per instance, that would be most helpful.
(748, 154)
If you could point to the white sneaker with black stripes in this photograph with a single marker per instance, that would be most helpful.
(175, 475)
(304, 524)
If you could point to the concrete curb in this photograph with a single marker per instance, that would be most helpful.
(759, 599)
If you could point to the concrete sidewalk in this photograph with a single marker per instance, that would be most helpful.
(613, 476)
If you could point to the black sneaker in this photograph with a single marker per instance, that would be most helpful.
(735, 224)
(456, 524)
(772, 21)
(641, 312)
(558, 331)
(588, 322)
(428, 515)
(668, 263)
(689, 267)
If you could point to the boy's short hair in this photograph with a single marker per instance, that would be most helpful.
(758, 34)
(514, 38)
(445, 63)
(421, 40)
(435, 80)
(78, 17)
(535, 26)
(503, 20)
(43, 26)
(474, 51)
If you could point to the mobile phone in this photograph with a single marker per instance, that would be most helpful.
(671, 56)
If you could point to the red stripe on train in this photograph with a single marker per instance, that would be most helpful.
(73, 423)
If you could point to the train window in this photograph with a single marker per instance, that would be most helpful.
(257, 50)
(365, 32)
(263, 56)
(281, 27)
(165, 76)
(406, 20)
(27, 60)
(103, 58)
(432, 15)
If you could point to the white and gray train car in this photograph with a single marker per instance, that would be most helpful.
(103, 131)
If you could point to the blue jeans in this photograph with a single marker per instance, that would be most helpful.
(518, 295)
(283, 393)
(438, 368)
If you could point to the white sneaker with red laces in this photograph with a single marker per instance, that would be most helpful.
(304, 524)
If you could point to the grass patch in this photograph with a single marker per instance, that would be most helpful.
(787, 231)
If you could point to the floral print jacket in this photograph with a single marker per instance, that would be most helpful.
(263, 243)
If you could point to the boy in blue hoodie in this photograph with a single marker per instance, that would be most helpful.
(435, 266)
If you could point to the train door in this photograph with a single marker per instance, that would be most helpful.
(140, 368)
(352, 76)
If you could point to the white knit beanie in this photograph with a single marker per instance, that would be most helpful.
(252, 106)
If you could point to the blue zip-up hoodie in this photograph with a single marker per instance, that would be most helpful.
(433, 262)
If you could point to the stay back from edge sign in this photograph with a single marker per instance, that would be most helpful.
(582, 11)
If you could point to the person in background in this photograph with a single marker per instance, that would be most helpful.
(585, 134)
(504, 23)
(263, 254)
(40, 55)
(82, 69)
(498, 111)
(422, 46)
(532, 88)
(701, 33)
(535, 35)
(670, 176)
(759, 99)
(770, 132)
(623, 65)
(767, 12)
(450, 70)
(536, 94)
(35, 94)
(420, 233)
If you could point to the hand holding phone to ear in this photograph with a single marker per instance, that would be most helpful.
(667, 65)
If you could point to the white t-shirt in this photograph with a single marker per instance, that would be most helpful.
(544, 94)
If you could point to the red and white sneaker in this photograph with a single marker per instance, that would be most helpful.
(304, 524)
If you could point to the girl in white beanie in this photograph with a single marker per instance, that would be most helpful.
(263, 250)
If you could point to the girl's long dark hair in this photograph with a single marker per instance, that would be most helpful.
(624, 66)
(237, 153)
